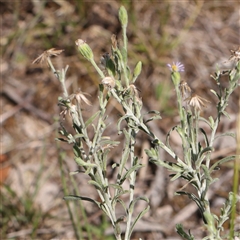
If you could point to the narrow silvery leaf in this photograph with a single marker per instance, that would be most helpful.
(137, 70)
(82, 163)
(139, 216)
(216, 94)
(206, 121)
(96, 184)
(228, 134)
(205, 136)
(78, 136)
(74, 197)
(132, 204)
(91, 119)
(127, 174)
(182, 233)
(211, 121)
(223, 160)
(226, 114)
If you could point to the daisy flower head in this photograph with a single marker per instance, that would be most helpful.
(176, 67)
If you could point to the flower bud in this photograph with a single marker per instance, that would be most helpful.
(137, 70)
(123, 17)
(84, 49)
(175, 76)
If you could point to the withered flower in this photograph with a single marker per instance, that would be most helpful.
(64, 112)
(79, 96)
(184, 89)
(114, 42)
(134, 92)
(235, 55)
(197, 102)
(109, 82)
(47, 54)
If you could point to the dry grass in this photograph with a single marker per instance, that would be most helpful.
(199, 34)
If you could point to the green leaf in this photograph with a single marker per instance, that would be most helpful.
(91, 119)
(110, 67)
(63, 131)
(61, 139)
(194, 198)
(124, 56)
(221, 161)
(145, 128)
(216, 94)
(131, 208)
(152, 154)
(71, 139)
(210, 223)
(74, 197)
(116, 186)
(156, 116)
(76, 172)
(139, 216)
(115, 165)
(126, 152)
(127, 174)
(104, 163)
(209, 123)
(182, 233)
(120, 121)
(79, 135)
(175, 176)
(205, 136)
(96, 184)
(154, 158)
(133, 202)
(153, 112)
(137, 70)
(82, 163)
(108, 142)
(226, 114)
(229, 134)
(117, 199)
(168, 136)
(208, 181)
(207, 149)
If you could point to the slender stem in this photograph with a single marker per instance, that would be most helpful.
(131, 183)
(97, 69)
(124, 34)
(125, 60)
(235, 178)
(182, 114)
(60, 76)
